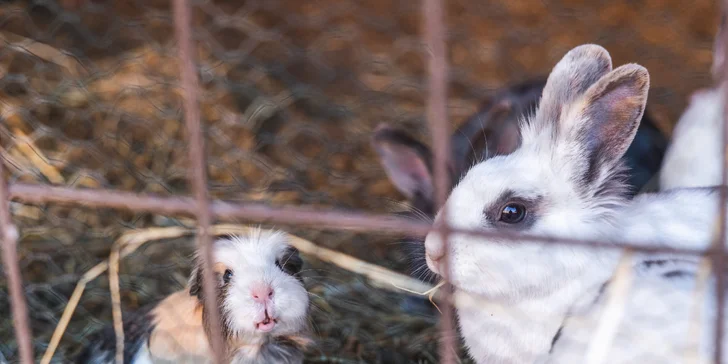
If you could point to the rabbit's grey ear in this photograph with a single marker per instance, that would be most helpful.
(406, 162)
(717, 69)
(605, 121)
(580, 68)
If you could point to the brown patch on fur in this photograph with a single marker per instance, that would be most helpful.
(300, 340)
(219, 268)
(178, 335)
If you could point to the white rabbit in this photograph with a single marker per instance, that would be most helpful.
(540, 302)
(693, 158)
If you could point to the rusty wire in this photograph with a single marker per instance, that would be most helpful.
(719, 256)
(434, 36)
(198, 172)
(304, 216)
(9, 236)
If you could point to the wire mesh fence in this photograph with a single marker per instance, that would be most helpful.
(289, 95)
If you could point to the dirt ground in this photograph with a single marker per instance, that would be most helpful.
(291, 91)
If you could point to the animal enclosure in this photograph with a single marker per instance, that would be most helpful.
(119, 117)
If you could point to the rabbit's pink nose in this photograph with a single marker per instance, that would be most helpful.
(434, 247)
(435, 250)
(261, 293)
(433, 264)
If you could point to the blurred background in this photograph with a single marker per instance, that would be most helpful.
(90, 97)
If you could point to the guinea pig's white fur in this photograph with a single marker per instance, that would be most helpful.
(253, 261)
(693, 158)
(540, 303)
(255, 330)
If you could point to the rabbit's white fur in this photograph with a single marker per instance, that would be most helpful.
(693, 158)
(568, 172)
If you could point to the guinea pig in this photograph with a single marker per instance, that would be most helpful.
(492, 131)
(262, 302)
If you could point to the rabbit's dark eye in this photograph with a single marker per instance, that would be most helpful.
(513, 213)
(227, 276)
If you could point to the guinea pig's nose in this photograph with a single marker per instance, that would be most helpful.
(261, 292)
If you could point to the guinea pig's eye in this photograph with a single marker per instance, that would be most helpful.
(227, 276)
(512, 213)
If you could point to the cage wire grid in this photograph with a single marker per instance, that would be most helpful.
(205, 209)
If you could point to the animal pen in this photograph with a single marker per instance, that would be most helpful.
(127, 127)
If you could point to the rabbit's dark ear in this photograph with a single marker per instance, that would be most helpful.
(489, 132)
(605, 120)
(506, 137)
(718, 67)
(406, 162)
(495, 129)
(580, 68)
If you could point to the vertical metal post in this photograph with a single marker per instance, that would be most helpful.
(198, 171)
(9, 236)
(437, 119)
(719, 255)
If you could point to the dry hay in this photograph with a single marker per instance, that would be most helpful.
(290, 92)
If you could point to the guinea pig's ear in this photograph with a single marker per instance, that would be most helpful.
(195, 281)
(580, 68)
(406, 162)
(290, 261)
(605, 120)
(717, 69)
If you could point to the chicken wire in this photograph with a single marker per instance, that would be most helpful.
(289, 94)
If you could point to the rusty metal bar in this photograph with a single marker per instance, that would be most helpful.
(437, 119)
(39, 194)
(198, 172)
(719, 257)
(9, 236)
(437, 99)
(326, 219)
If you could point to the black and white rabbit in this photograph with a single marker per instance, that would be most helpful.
(540, 303)
(693, 158)
(491, 132)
